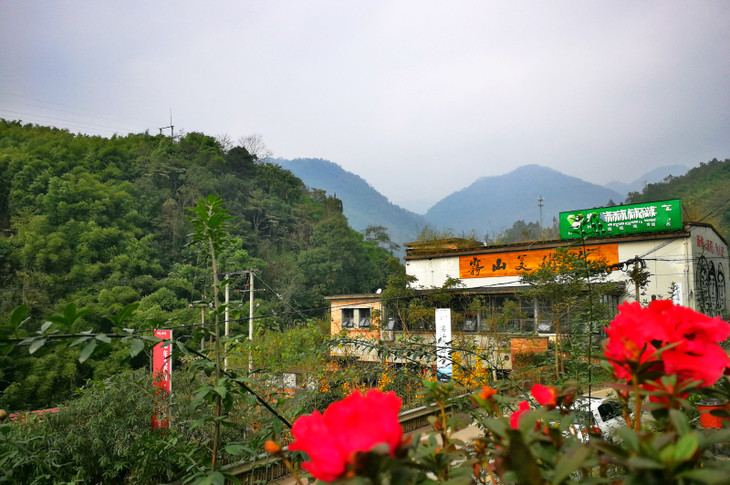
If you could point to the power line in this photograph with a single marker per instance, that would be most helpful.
(714, 210)
(98, 128)
(45, 104)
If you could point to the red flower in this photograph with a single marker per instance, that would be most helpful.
(356, 423)
(545, 395)
(514, 419)
(637, 333)
(698, 355)
(631, 338)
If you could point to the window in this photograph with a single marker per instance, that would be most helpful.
(355, 317)
(348, 317)
(609, 410)
(363, 317)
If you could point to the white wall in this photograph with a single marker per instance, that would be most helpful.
(673, 260)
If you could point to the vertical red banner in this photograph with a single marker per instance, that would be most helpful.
(162, 377)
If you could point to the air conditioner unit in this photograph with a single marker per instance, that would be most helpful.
(470, 326)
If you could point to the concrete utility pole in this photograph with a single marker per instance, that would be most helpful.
(250, 318)
(227, 331)
(226, 328)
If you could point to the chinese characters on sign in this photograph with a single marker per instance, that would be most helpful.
(515, 263)
(619, 220)
(443, 344)
(710, 246)
(162, 377)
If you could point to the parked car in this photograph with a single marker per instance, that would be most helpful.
(598, 416)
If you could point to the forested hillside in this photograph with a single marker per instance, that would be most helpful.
(363, 205)
(102, 223)
(704, 190)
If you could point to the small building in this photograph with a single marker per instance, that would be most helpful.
(359, 316)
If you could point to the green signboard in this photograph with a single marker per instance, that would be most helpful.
(622, 219)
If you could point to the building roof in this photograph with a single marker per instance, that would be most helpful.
(356, 296)
(452, 247)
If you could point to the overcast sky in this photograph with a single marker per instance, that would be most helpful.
(418, 97)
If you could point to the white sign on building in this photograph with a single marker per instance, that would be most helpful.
(443, 344)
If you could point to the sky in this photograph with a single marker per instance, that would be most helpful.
(418, 97)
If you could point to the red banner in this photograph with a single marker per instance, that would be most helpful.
(162, 377)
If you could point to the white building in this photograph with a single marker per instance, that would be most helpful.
(694, 259)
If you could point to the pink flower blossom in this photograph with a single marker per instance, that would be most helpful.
(356, 423)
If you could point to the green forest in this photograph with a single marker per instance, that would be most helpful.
(103, 223)
(704, 191)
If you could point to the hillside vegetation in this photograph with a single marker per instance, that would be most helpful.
(704, 190)
(102, 223)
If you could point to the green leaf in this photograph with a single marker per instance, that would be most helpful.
(103, 338)
(680, 421)
(87, 351)
(79, 341)
(221, 391)
(213, 478)
(629, 437)
(686, 447)
(136, 347)
(644, 463)
(570, 462)
(124, 314)
(198, 399)
(708, 476)
(18, 316)
(37, 344)
(234, 449)
(45, 326)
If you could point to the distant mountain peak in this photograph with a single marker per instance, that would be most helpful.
(491, 204)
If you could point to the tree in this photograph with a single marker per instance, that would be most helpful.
(211, 230)
(569, 287)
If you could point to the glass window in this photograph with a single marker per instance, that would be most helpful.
(609, 410)
(348, 317)
(364, 316)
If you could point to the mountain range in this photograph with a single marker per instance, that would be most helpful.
(487, 206)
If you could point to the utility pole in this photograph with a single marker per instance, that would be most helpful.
(639, 275)
(227, 329)
(250, 318)
(539, 204)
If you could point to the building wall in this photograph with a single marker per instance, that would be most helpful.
(373, 332)
(668, 263)
(709, 271)
(696, 262)
(336, 307)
